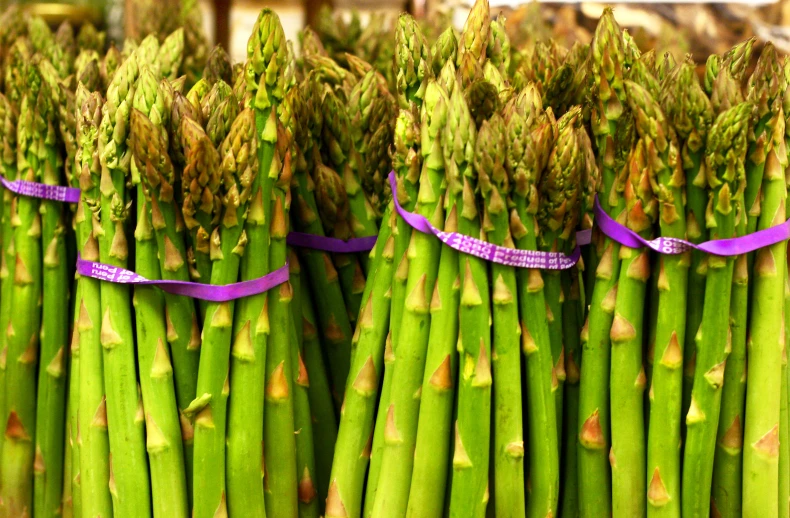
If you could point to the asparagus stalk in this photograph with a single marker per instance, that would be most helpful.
(8, 252)
(400, 427)
(469, 489)
(761, 430)
(279, 445)
(558, 214)
(125, 421)
(508, 442)
(91, 429)
(251, 331)
(303, 426)
(666, 390)
(627, 378)
(162, 423)
(725, 151)
(354, 436)
(530, 138)
(333, 319)
(34, 159)
(228, 241)
(784, 436)
(609, 126)
(51, 393)
(689, 110)
(320, 396)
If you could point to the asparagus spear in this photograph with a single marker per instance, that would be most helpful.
(218, 66)
(88, 38)
(239, 168)
(162, 424)
(91, 430)
(728, 459)
(400, 427)
(726, 148)
(303, 426)
(8, 257)
(508, 442)
(171, 54)
(667, 181)
(34, 159)
(50, 404)
(251, 331)
(469, 489)
(530, 138)
(333, 318)
(558, 214)
(125, 423)
(761, 430)
(320, 396)
(609, 125)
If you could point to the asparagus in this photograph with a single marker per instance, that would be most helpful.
(609, 125)
(303, 426)
(333, 318)
(218, 66)
(320, 397)
(251, 331)
(35, 158)
(508, 442)
(761, 423)
(51, 393)
(162, 424)
(784, 436)
(91, 429)
(239, 168)
(530, 139)
(469, 490)
(725, 150)
(400, 427)
(8, 253)
(279, 445)
(667, 182)
(171, 54)
(728, 459)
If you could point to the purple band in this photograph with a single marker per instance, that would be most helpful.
(672, 246)
(331, 244)
(488, 251)
(43, 191)
(196, 290)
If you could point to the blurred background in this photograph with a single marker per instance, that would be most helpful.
(699, 29)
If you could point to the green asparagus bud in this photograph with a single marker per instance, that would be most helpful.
(90, 39)
(412, 59)
(171, 53)
(109, 65)
(444, 49)
(475, 35)
(498, 51)
(266, 57)
(218, 66)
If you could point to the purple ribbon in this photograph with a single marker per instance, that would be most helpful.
(331, 244)
(672, 246)
(488, 251)
(41, 190)
(196, 290)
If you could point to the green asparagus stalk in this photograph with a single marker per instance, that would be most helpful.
(281, 486)
(508, 442)
(8, 253)
(469, 488)
(35, 158)
(91, 429)
(761, 422)
(333, 318)
(627, 378)
(530, 139)
(608, 125)
(784, 436)
(125, 421)
(51, 394)
(228, 241)
(162, 423)
(725, 151)
(400, 427)
(558, 215)
(320, 395)
(667, 181)
(303, 426)
(251, 331)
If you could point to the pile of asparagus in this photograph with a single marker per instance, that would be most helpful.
(614, 387)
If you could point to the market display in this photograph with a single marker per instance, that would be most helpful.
(403, 271)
